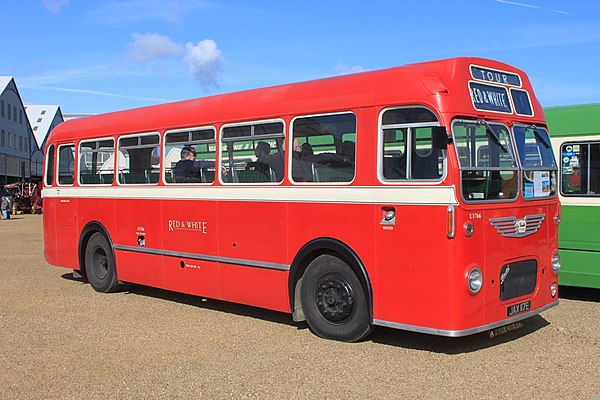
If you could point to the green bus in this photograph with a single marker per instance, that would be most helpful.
(575, 135)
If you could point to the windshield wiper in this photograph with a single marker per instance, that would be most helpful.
(540, 137)
(492, 135)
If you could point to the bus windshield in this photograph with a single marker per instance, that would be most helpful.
(537, 160)
(487, 160)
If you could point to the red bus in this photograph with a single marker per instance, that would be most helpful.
(421, 197)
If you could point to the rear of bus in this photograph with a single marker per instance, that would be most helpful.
(505, 228)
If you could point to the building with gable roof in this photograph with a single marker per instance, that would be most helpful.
(42, 118)
(17, 143)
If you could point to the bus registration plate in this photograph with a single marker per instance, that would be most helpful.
(518, 308)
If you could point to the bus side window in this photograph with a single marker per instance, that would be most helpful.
(410, 145)
(96, 160)
(325, 149)
(139, 159)
(253, 152)
(190, 155)
(50, 166)
(66, 164)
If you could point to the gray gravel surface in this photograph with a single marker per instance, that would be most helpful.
(60, 339)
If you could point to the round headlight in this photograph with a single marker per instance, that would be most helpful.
(475, 280)
(555, 263)
(553, 289)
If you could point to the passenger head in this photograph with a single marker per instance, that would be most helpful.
(306, 149)
(348, 148)
(262, 149)
(188, 153)
(296, 146)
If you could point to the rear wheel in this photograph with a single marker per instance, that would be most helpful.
(333, 300)
(100, 268)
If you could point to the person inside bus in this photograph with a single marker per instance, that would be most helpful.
(266, 160)
(302, 162)
(188, 169)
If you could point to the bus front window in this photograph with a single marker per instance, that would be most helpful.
(537, 160)
(485, 151)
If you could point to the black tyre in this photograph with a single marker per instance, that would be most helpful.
(100, 268)
(333, 300)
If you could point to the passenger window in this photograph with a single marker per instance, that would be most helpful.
(96, 162)
(580, 169)
(253, 153)
(324, 148)
(411, 128)
(139, 159)
(66, 164)
(190, 156)
(50, 166)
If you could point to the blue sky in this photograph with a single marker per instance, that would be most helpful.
(101, 56)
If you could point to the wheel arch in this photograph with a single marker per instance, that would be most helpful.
(88, 230)
(315, 248)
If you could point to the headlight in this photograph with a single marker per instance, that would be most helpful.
(475, 280)
(553, 289)
(555, 263)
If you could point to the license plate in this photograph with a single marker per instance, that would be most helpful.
(518, 308)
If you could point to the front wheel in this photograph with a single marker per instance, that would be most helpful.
(333, 300)
(100, 266)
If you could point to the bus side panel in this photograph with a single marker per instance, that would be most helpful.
(350, 224)
(190, 227)
(66, 232)
(254, 286)
(251, 232)
(137, 219)
(413, 264)
(580, 268)
(97, 210)
(50, 239)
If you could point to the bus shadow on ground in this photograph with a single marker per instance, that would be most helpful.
(458, 345)
(579, 293)
(381, 335)
(198, 301)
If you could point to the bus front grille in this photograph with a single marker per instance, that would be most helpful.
(518, 279)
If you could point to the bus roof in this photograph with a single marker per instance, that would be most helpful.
(574, 120)
(427, 83)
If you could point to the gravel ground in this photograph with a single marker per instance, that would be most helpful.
(60, 339)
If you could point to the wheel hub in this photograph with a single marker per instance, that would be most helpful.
(335, 298)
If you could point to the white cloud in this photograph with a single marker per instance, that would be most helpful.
(54, 5)
(342, 69)
(150, 46)
(514, 3)
(205, 61)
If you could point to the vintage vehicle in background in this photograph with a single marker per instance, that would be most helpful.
(575, 135)
(27, 197)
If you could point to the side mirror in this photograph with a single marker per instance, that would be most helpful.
(440, 137)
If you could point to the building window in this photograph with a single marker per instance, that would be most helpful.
(2, 139)
(15, 113)
(43, 112)
(20, 143)
(2, 107)
(21, 117)
(8, 107)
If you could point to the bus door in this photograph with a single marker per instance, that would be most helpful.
(66, 209)
(412, 242)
